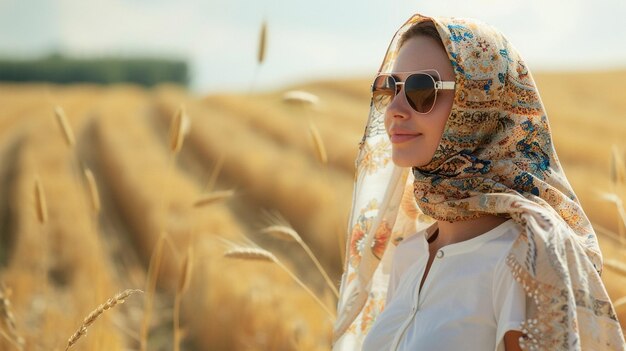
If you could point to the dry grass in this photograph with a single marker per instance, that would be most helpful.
(618, 186)
(7, 320)
(287, 233)
(341, 129)
(53, 261)
(185, 272)
(213, 197)
(183, 285)
(257, 254)
(615, 274)
(617, 171)
(616, 265)
(253, 155)
(153, 272)
(260, 148)
(621, 213)
(215, 172)
(128, 169)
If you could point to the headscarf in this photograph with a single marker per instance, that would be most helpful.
(496, 156)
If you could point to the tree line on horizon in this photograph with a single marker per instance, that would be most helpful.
(104, 70)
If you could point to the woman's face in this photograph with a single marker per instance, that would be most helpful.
(418, 53)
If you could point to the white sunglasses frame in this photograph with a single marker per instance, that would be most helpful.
(438, 84)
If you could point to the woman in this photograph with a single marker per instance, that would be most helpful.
(491, 248)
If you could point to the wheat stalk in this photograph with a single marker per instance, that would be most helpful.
(618, 180)
(618, 168)
(215, 173)
(260, 52)
(8, 329)
(93, 189)
(213, 197)
(251, 253)
(40, 201)
(183, 285)
(616, 265)
(620, 302)
(185, 272)
(153, 274)
(65, 126)
(262, 42)
(614, 198)
(342, 241)
(300, 98)
(178, 129)
(258, 254)
(606, 232)
(320, 150)
(112, 302)
(282, 232)
(287, 233)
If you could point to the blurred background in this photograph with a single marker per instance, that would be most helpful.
(218, 40)
(144, 144)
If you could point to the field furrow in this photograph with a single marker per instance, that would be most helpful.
(59, 270)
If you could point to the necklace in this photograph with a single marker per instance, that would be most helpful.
(433, 237)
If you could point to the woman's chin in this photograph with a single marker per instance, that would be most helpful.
(402, 160)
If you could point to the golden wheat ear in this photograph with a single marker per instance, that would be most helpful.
(251, 253)
(7, 327)
(258, 254)
(617, 167)
(64, 124)
(112, 302)
(178, 129)
(213, 197)
(287, 233)
(300, 98)
(92, 187)
(318, 144)
(262, 42)
(40, 201)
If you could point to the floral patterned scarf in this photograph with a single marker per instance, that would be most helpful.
(496, 156)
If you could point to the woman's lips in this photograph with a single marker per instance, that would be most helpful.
(400, 138)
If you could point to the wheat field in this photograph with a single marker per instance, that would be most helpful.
(170, 194)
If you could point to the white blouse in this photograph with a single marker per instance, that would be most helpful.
(468, 301)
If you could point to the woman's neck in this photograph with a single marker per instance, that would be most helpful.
(454, 232)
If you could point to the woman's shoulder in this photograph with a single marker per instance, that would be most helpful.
(510, 231)
(502, 245)
(495, 251)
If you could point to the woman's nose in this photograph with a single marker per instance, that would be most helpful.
(398, 106)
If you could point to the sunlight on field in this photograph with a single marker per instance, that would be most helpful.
(58, 269)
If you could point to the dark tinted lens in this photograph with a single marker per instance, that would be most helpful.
(420, 92)
(383, 91)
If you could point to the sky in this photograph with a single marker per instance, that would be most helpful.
(306, 40)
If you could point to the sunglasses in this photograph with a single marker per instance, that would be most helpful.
(420, 90)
